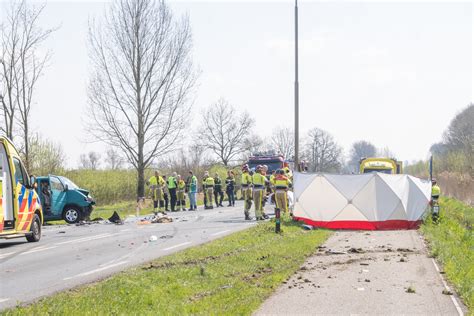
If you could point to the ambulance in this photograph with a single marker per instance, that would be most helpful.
(21, 214)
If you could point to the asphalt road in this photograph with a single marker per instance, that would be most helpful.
(366, 273)
(69, 255)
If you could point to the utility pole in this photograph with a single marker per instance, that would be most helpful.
(297, 161)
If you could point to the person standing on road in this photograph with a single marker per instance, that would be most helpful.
(230, 187)
(172, 185)
(181, 194)
(208, 188)
(165, 194)
(246, 183)
(281, 184)
(218, 193)
(259, 182)
(156, 184)
(192, 191)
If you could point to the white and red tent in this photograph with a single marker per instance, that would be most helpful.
(369, 201)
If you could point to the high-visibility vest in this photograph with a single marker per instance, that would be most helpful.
(171, 182)
(181, 185)
(435, 190)
(246, 179)
(156, 181)
(208, 182)
(258, 180)
(281, 182)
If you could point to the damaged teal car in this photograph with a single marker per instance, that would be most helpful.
(62, 199)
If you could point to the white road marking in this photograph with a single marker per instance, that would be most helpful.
(222, 232)
(84, 239)
(3, 255)
(37, 250)
(4, 300)
(177, 246)
(453, 298)
(125, 230)
(96, 270)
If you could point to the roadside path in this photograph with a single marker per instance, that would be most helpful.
(360, 273)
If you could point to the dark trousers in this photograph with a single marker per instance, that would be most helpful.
(166, 198)
(220, 194)
(231, 196)
(173, 198)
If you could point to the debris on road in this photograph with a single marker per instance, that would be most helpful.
(447, 292)
(160, 218)
(411, 289)
(61, 232)
(356, 250)
(115, 218)
(166, 237)
(153, 238)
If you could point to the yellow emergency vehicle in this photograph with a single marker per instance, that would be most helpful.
(20, 209)
(384, 165)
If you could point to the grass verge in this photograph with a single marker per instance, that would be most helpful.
(452, 243)
(231, 275)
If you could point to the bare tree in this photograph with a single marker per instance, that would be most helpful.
(113, 159)
(46, 156)
(283, 140)
(225, 131)
(94, 160)
(143, 78)
(22, 66)
(322, 152)
(459, 136)
(360, 149)
(385, 152)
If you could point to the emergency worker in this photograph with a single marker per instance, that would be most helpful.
(230, 187)
(286, 169)
(156, 184)
(172, 186)
(218, 193)
(165, 194)
(435, 190)
(281, 185)
(192, 191)
(181, 194)
(208, 190)
(259, 182)
(246, 183)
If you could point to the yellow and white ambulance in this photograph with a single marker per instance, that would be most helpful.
(20, 209)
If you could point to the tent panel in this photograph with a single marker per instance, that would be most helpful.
(349, 186)
(350, 212)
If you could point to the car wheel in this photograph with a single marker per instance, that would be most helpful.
(35, 230)
(71, 214)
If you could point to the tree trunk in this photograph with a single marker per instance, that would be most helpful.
(141, 181)
(27, 146)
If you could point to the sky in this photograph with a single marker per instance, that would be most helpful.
(392, 73)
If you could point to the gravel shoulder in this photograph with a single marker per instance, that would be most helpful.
(358, 272)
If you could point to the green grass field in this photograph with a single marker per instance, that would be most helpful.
(452, 243)
(229, 276)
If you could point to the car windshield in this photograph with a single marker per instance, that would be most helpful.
(272, 165)
(69, 183)
(388, 171)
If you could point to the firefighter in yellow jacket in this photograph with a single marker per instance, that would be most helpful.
(157, 184)
(281, 185)
(246, 183)
(259, 182)
(208, 184)
(181, 194)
